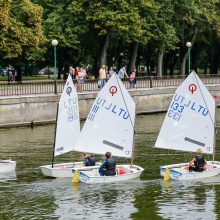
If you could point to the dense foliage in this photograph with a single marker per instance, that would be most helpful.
(150, 33)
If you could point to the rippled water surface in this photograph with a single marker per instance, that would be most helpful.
(27, 194)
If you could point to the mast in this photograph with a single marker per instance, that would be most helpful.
(212, 120)
(55, 131)
(214, 141)
(132, 157)
(132, 124)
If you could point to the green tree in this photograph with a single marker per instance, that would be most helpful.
(65, 21)
(141, 29)
(21, 30)
(193, 17)
(114, 20)
(164, 33)
(20, 23)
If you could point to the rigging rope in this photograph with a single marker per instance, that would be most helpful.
(132, 124)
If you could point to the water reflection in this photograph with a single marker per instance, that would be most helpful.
(110, 201)
(30, 195)
(193, 199)
(4, 177)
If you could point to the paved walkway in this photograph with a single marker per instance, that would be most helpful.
(49, 87)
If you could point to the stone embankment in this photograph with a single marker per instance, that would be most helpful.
(41, 109)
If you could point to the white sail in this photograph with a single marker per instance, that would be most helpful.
(68, 123)
(110, 123)
(189, 122)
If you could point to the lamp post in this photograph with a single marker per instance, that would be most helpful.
(189, 45)
(55, 43)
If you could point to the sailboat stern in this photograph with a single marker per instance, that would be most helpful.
(61, 170)
(7, 166)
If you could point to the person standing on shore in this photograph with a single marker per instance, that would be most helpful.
(132, 79)
(102, 77)
(122, 73)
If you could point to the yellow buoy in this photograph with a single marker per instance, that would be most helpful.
(167, 174)
(75, 178)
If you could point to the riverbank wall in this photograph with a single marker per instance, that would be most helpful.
(41, 109)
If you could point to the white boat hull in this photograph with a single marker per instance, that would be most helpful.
(62, 170)
(181, 172)
(7, 166)
(92, 176)
(7, 176)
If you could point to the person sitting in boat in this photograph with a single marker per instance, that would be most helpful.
(89, 160)
(198, 163)
(108, 166)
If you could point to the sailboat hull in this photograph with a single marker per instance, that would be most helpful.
(7, 166)
(62, 170)
(181, 171)
(6, 176)
(92, 176)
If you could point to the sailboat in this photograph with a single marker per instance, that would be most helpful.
(190, 124)
(7, 166)
(66, 132)
(109, 127)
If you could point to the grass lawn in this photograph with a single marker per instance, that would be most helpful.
(26, 78)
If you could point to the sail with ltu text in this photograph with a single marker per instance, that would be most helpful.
(110, 122)
(190, 119)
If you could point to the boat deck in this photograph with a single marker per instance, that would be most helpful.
(120, 170)
(185, 169)
(181, 171)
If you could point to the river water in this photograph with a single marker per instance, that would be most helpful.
(27, 194)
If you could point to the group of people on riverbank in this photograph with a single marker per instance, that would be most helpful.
(104, 76)
(80, 74)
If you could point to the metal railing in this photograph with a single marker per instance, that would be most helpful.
(51, 86)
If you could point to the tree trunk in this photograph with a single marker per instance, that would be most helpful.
(148, 70)
(19, 73)
(194, 57)
(118, 57)
(205, 70)
(59, 69)
(214, 63)
(172, 65)
(165, 64)
(183, 64)
(104, 50)
(132, 61)
(160, 64)
(95, 67)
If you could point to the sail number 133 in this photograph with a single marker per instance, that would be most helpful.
(175, 111)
